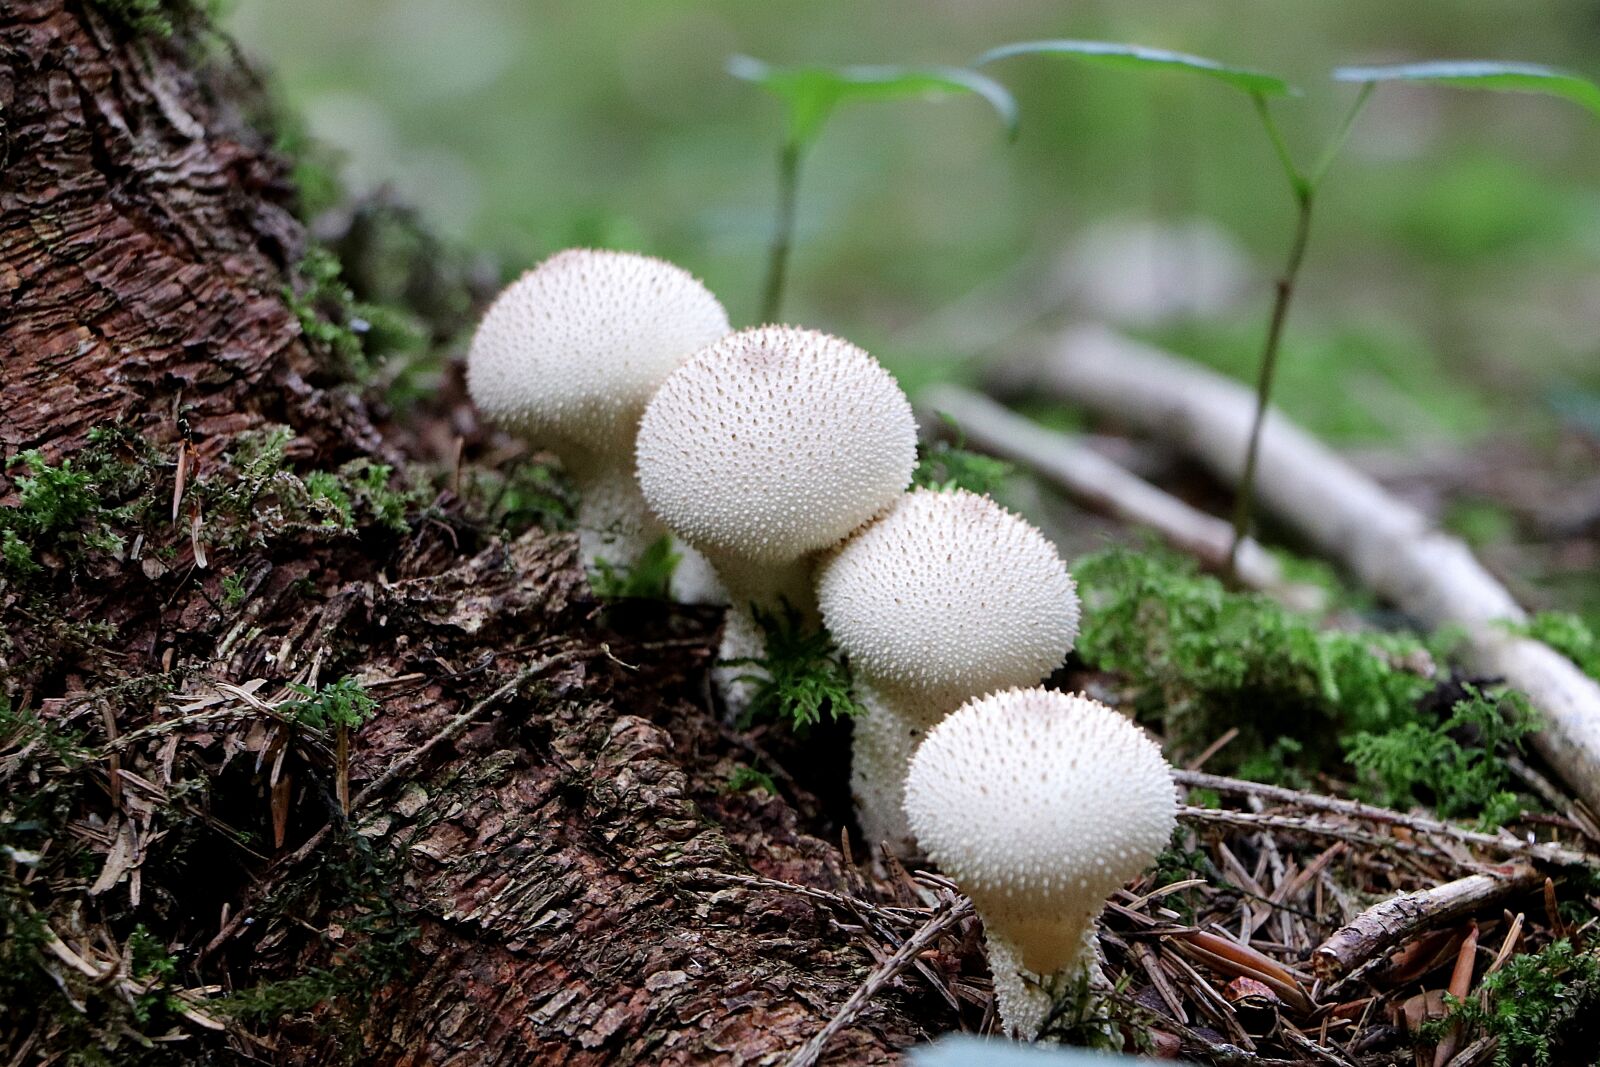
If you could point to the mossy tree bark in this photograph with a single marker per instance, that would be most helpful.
(543, 787)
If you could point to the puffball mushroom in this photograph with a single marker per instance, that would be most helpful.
(762, 450)
(946, 597)
(1039, 805)
(568, 356)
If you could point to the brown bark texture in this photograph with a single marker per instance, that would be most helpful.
(535, 805)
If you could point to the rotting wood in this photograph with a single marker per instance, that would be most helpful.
(950, 914)
(147, 242)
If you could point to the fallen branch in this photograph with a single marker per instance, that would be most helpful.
(1296, 824)
(1398, 919)
(946, 917)
(1108, 487)
(1502, 844)
(1388, 545)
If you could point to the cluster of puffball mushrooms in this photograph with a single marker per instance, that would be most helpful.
(779, 459)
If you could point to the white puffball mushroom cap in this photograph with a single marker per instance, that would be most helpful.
(773, 443)
(1039, 805)
(949, 595)
(571, 352)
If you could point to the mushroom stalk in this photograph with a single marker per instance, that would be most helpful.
(1028, 1001)
(615, 525)
(752, 588)
(881, 748)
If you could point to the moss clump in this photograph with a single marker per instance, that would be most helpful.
(947, 465)
(160, 18)
(801, 677)
(1528, 1003)
(352, 882)
(83, 506)
(1452, 765)
(256, 494)
(1202, 659)
(1569, 635)
(355, 333)
(344, 704)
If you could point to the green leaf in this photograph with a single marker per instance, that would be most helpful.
(1138, 57)
(1484, 74)
(813, 92)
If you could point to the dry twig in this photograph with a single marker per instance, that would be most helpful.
(1394, 921)
(1501, 844)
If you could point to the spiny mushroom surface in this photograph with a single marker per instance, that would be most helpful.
(944, 598)
(764, 449)
(1039, 805)
(568, 356)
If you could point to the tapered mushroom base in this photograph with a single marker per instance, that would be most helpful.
(1035, 1007)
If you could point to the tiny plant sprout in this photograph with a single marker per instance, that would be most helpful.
(1039, 805)
(568, 356)
(946, 597)
(1260, 88)
(764, 449)
(811, 94)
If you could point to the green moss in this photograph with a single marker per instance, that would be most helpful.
(344, 703)
(944, 466)
(1569, 635)
(1453, 765)
(84, 505)
(744, 778)
(256, 495)
(529, 494)
(354, 878)
(160, 18)
(1202, 658)
(1531, 1000)
(43, 772)
(800, 679)
(355, 333)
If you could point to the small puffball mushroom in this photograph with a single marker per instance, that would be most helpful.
(946, 597)
(1039, 805)
(568, 356)
(764, 449)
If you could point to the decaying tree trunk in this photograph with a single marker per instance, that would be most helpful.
(536, 802)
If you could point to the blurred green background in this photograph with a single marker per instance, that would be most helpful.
(1451, 297)
(1454, 278)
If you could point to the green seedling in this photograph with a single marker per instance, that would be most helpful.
(1261, 88)
(1304, 183)
(811, 95)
